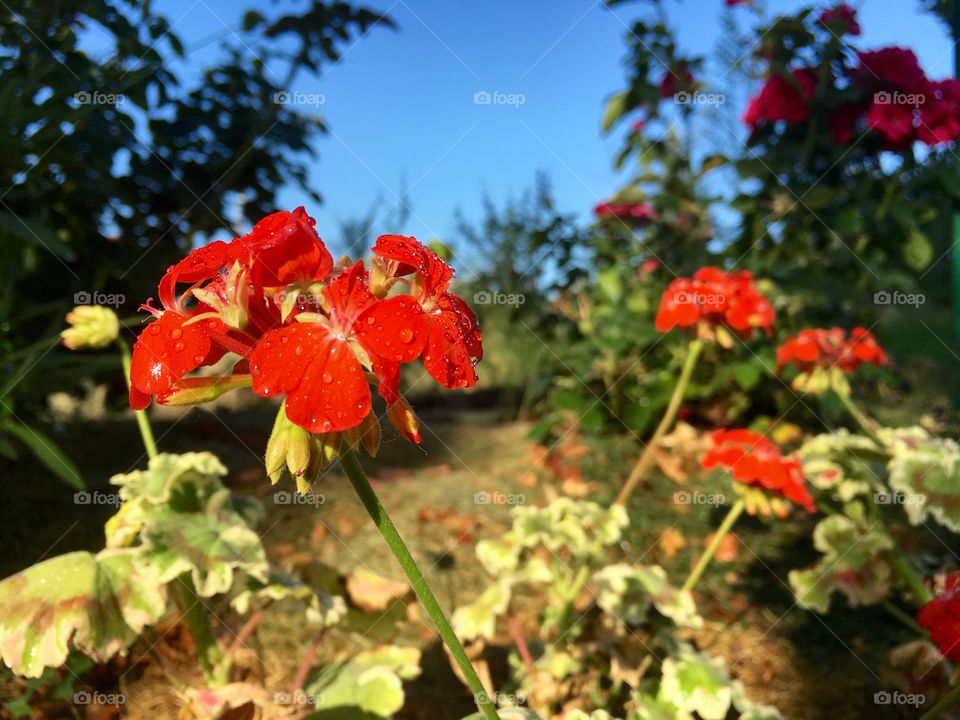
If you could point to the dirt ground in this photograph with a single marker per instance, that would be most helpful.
(808, 666)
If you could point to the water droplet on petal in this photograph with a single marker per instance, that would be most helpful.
(327, 377)
(406, 335)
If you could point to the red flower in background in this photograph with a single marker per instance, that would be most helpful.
(939, 120)
(842, 18)
(715, 297)
(639, 211)
(677, 78)
(941, 616)
(812, 348)
(782, 98)
(753, 459)
(891, 68)
(843, 121)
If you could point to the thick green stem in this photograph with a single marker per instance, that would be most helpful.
(143, 422)
(946, 701)
(358, 478)
(711, 550)
(666, 422)
(863, 420)
(909, 576)
(198, 625)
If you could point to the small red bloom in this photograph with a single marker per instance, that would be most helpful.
(753, 459)
(445, 327)
(891, 68)
(831, 348)
(939, 120)
(842, 18)
(715, 297)
(941, 616)
(781, 98)
(284, 248)
(639, 211)
(677, 78)
(843, 121)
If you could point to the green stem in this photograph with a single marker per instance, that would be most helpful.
(863, 420)
(946, 701)
(143, 422)
(909, 576)
(903, 617)
(358, 478)
(666, 422)
(711, 550)
(570, 597)
(198, 625)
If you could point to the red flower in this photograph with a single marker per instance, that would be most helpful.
(843, 18)
(891, 68)
(318, 362)
(731, 3)
(637, 126)
(639, 211)
(781, 98)
(753, 459)
(677, 78)
(827, 349)
(941, 616)
(894, 121)
(939, 120)
(445, 327)
(284, 249)
(715, 297)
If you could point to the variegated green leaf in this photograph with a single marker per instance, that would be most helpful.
(626, 592)
(97, 604)
(369, 685)
(853, 564)
(925, 475)
(322, 609)
(696, 683)
(210, 549)
(479, 618)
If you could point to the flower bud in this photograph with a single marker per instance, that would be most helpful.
(290, 447)
(92, 327)
(404, 420)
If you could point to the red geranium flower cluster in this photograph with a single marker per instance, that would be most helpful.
(635, 212)
(887, 92)
(302, 327)
(941, 616)
(904, 105)
(841, 19)
(818, 348)
(782, 98)
(754, 459)
(714, 298)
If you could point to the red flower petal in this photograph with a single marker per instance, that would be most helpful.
(285, 248)
(168, 349)
(325, 384)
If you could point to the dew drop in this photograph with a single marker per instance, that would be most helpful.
(179, 347)
(176, 333)
(327, 377)
(298, 350)
(406, 335)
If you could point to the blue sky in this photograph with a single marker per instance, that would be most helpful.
(400, 105)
